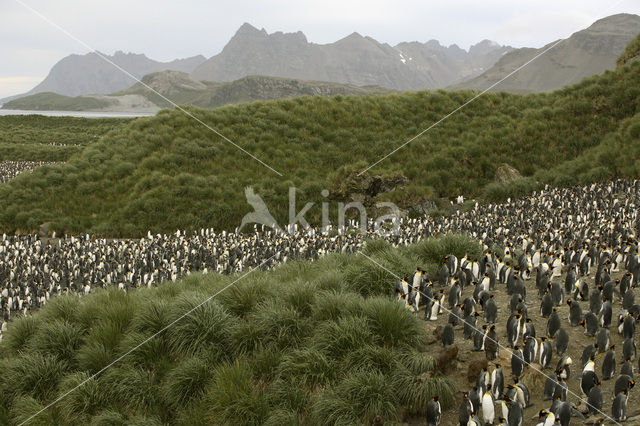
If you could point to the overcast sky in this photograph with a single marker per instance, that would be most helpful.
(169, 29)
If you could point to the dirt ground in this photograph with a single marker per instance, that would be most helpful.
(533, 379)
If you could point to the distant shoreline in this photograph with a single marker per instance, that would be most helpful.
(81, 114)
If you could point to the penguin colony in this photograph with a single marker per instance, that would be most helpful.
(562, 253)
(579, 219)
(11, 169)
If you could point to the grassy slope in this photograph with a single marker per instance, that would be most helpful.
(49, 101)
(28, 137)
(168, 172)
(316, 342)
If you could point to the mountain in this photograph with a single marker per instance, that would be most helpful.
(183, 89)
(354, 59)
(90, 74)
(585, 53)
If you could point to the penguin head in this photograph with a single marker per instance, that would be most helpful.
(435, 398)
(569, 301)
(542, 414)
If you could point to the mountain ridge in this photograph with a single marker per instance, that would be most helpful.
(586, 52)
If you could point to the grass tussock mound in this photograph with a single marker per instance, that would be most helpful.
(315, 343)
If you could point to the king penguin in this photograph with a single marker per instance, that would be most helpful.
(488, 411)
(434, 412)
(609, 364)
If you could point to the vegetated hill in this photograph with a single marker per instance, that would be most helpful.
(39, 138)
(585, 53)
(354, 60)
(307, 342)
(181, 88)
(77, 75)
(168, 172)
(48, 101)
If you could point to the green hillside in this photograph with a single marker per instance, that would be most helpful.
(49, 101)
(168, 172)
(39, 138)
(307, 343)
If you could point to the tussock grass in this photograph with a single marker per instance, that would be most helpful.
(205, 329)
(58, 338)
(291, 346)
(186, 382)
(17, 337)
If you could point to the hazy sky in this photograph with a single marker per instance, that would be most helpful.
(169, 29)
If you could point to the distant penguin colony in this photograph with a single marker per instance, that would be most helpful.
(588, 233)
(581, 253)
(11, 169)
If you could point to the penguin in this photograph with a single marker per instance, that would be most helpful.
(455, 315)
(629, 299)
(454, 294)
(516, 414)
(603, 339)
(575, 313)
(557, 296)
(488, 412)
(490, 310)
(529, 329)
(468, 306)
(431, 312)
(546, 352)
(513, 330)
(594, 399)
(589, 352)
(627, 368)
(563, 368)
(606, 312)
(629, 349)
(483, 380)
(504, 406)
(588, 378)
(550, 387)
(590, 324)
(546, 305)
(623, 382)
(560, 391)
(530, 350)
(546, 418)
(565, 412)
(473, 420)
(517, 362)
(561, 341)
(474, 397)
(609, 364)
(491, 344)
(470, 322)
(522, 392)
(465, 410)
(628, 326)
(444, 277)
(434, 412)
(478, 339)
(448, 334)
(553, 324)
(497, 382)
(619, 407)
